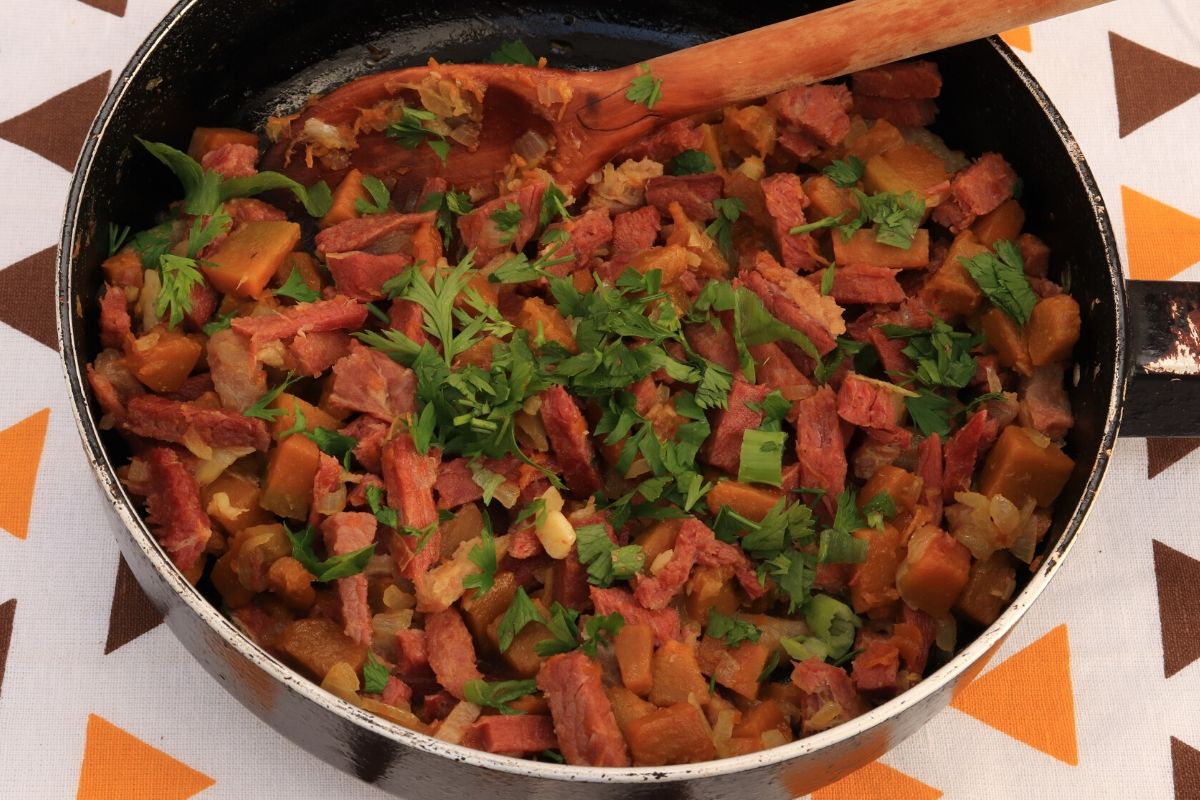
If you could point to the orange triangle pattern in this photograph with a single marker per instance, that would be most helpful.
(1029, 697)
(20, 455)
(1162, 241)
(877, 780)
(1020, 38)
(118, 764)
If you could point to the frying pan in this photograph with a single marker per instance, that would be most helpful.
(234, 62)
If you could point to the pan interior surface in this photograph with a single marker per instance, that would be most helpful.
(236, 62)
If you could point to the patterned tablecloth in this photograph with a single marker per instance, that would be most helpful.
(1095, 695)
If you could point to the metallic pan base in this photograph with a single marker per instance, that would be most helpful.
(230, 62)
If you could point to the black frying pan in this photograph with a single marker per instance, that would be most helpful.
(233, 62)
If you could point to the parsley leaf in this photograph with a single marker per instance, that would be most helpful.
(605, 561)
(506, 221)
(410, 132)
(1002, 279)
(721, 229)
(332, 568)
(482, 555)
(260, 411)
(762, 457)
(645, 89)
(730, 630)
(219, 323)
(381, 198)
(299, 423)
(498, 694)
(116, 238)
(942, 354)
(879, 508)
(448, 205)
(895, 217)
(520, 613)
(514, 52)
(333, 443)
(563, 626)
(179, 278)
(823, 222)
(845, 174)
(690, 162)
(295, 288)
(827, 279)
(929, 412)
(386, 515)
(599, 628)
(554, 204)
(375, 675)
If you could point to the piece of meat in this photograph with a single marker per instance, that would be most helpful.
(115, 322)
(113, 383)
(514, 736)
(714, 342)
(633, 232)
(796, 302)
(926, 629)
(820, 447)
(656, 591)
(312, 353)
(357, 497)
(825, 685)
(694, 193)
(451, 651)
(570, 441)
(569, 583)
(524, 543)
(902, 80)
(583, 718)
(408, 317)
(797, 145)
(901, 113)
(589, 233)
(976, 190)
(251, 209)
(962, 450)
(863, 285)
(370, 382)
(1045, 406)
(204, 301)
(455, 485)
(819, 111)
(868, 404)
(238, 378)
(929, 467)
(375, 233)
(724, 446)
(712, 552)
(396, 693)
(327, 482)
(481, 233)
(170, 420)
(785, 199)
(410, 477)
(340, 313)
(360, 276)
(346, 532)
(174, 512)
(779, 372)
(412, 658)
(665, 143)
(664, 623)
(876, 668)
(231, 160)
(369, 434)
(1035, 253)
(891, 353)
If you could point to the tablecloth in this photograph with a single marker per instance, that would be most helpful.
(1095, 695)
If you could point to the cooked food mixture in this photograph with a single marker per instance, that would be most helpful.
(720, 453)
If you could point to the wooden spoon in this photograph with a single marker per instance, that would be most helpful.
(588, 116)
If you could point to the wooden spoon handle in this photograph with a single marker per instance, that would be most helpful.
(827, 44)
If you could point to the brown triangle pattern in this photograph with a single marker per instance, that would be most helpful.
(1185, 768)
(1178, 576)
(1164, 453)
(27, 297)
(132, 614)
(55, 130)
(8, 612)
(115, 7)
(1148, 83)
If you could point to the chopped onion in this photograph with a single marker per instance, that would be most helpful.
(221, 506)
(507, 494)
(151, 286)
(530, 431)
(986, 525)
(196, 445)
(531, 146)
(946, 636)
(217, 461)
(457, 721)
(753, 168)
(342, 681)
(331, 503)
(396, 598)
(384, 627)
(401, 716)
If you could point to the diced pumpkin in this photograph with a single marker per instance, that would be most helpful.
(672, 259)
(1025, 465)
(291, 467)
(951, 293)
(907, 168)
(521, 656)
(627, 706)
(345, 200)
(480, 611)
(531, 704)
(227, 584)
(239, 509)
(247, 259)
(634, 649)
(762, 717)
(583, 280)
(899, 484)
(1003, 222)
(288, 578)
(676, 675)
(863, 249)
(305, 265)
(205, 140)
(711, 147)
(735, 668)
(879, 138)
(711, 587)
(874, 583)
(1053, 329)
(313, 417)
(479, 354)
(316, 644)
(123, 269)
(827, 199)
(658, 538)
(162, 359)
(465, 525)
(674, 735)
(1007, 339)
(749, 130)
(751, 502)
(934, 571)
(541, 320)
(989, 588)
(426, 244)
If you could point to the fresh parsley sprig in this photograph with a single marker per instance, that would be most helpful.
(645, 89)
(260, 410)
(331, 568)
(296, 289)
(514, 52)
(730, 630)
(1002, 279)
(381, 198)
(410, 132)
(605, 561)
(375, 675)
(498, 694)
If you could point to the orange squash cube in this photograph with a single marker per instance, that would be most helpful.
(205, 140)
(674, 735)
(1003, 222)
(162, 359)
(634, 649)
(1024, 464)
(345, 200)
(863, 249)
(248, 258)
(934, 571)
(291, 467)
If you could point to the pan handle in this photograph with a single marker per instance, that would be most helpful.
(1162, 397)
